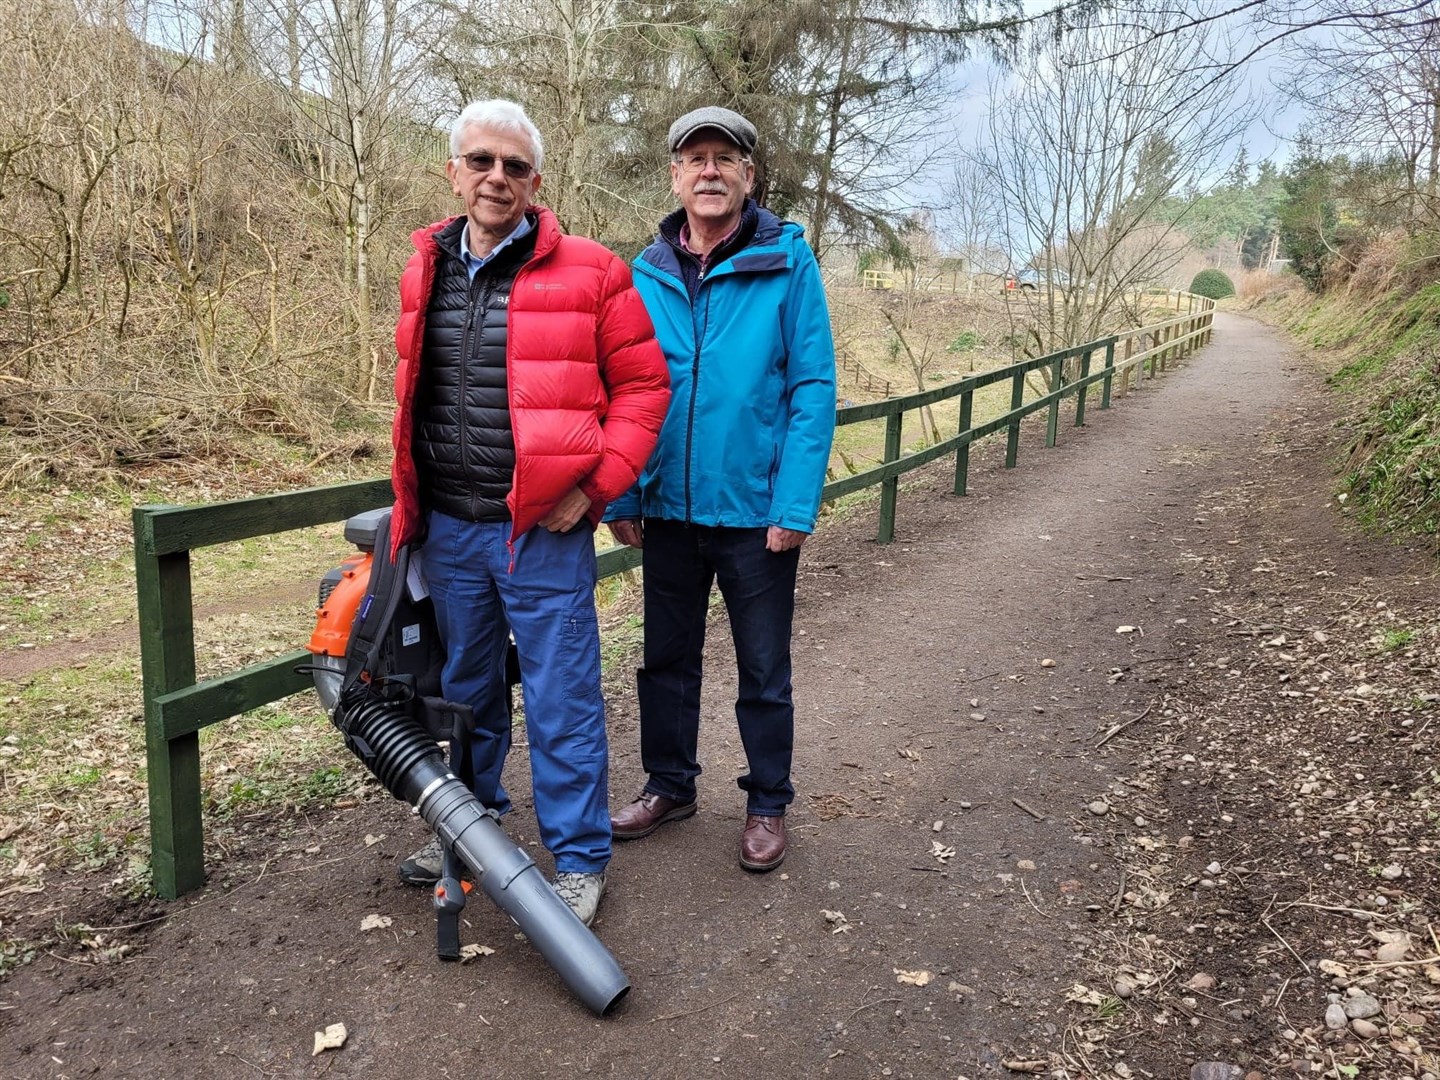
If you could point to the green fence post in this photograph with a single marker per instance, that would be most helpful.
(1052, 420)
(890, 487)
(1109, 374)
(962, 454)
(1012, 437)
(1084, 386)
(167, 663)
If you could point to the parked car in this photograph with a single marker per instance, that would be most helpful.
(1031, 279)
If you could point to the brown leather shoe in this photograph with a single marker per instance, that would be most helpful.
(762, 845)
(646, 814)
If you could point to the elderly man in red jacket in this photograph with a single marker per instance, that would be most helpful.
(529, 394)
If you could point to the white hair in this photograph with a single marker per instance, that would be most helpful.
(500, 115)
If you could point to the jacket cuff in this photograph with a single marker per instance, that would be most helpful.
(625, 508)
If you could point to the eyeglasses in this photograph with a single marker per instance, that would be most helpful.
(727, 163)
(481, 162)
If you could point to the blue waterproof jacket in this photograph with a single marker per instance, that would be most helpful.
(746, 440)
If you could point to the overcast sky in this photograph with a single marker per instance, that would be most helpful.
(1270, 137)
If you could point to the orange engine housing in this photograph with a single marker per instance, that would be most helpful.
(335, 618)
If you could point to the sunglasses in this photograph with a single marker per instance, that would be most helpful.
(481, 162)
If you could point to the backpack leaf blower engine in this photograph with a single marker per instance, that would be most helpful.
(377, 662)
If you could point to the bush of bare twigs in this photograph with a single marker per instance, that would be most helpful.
(188, 269)
(1380, 266)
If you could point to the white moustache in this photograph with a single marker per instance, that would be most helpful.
(711, 189)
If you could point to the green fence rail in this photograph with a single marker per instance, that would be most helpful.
(177, 707)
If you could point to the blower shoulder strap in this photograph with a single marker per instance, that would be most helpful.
(377, 610)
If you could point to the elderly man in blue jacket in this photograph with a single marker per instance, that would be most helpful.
(733, 487)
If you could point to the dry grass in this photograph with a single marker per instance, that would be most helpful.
(1380, 267)
(1252, 285)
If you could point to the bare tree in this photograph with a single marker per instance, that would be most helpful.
(1372, 88)
(1094, 163)
(970, 222)
(845, 94)
(350, 73)
(594, 75)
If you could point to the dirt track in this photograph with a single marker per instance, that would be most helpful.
(925, 718)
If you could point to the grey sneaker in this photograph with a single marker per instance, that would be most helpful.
(423, 867)
(582, 893)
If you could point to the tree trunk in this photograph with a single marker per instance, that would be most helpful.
(362, 256)
(820, 215)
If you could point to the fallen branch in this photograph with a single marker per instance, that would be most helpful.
(1381, 966)
(243, 1061)
(693, 1012)
(862, 1008)
(1121, 727)
(1288, 947)
(1029, 809)
(1042, 914)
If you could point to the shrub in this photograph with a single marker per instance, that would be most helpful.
(1255, 284)
(1215, 284)
(1378, 268)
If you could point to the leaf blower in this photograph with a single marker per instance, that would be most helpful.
(376, 669)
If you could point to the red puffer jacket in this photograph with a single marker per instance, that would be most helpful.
(588, 384)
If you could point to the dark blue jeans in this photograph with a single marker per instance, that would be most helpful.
(758, 586)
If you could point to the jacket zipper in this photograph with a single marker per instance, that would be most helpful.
(521, 271)
(465, 339)
(694, 392)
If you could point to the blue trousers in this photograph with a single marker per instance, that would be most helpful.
(758, 586)
(548, 602)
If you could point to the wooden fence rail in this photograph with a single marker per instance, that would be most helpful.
(177, 707)
(860, 375)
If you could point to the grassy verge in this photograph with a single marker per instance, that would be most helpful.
(1387, 365)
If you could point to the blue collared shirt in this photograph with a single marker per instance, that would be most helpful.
(473, 262)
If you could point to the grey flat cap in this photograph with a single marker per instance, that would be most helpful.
(730, 124)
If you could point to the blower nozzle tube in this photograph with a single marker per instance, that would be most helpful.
(406, 759)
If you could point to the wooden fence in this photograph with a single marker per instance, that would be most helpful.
(860, 375)
(177, 707)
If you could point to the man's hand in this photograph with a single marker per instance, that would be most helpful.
(570, 509)
(628, 531)
(778, 539)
